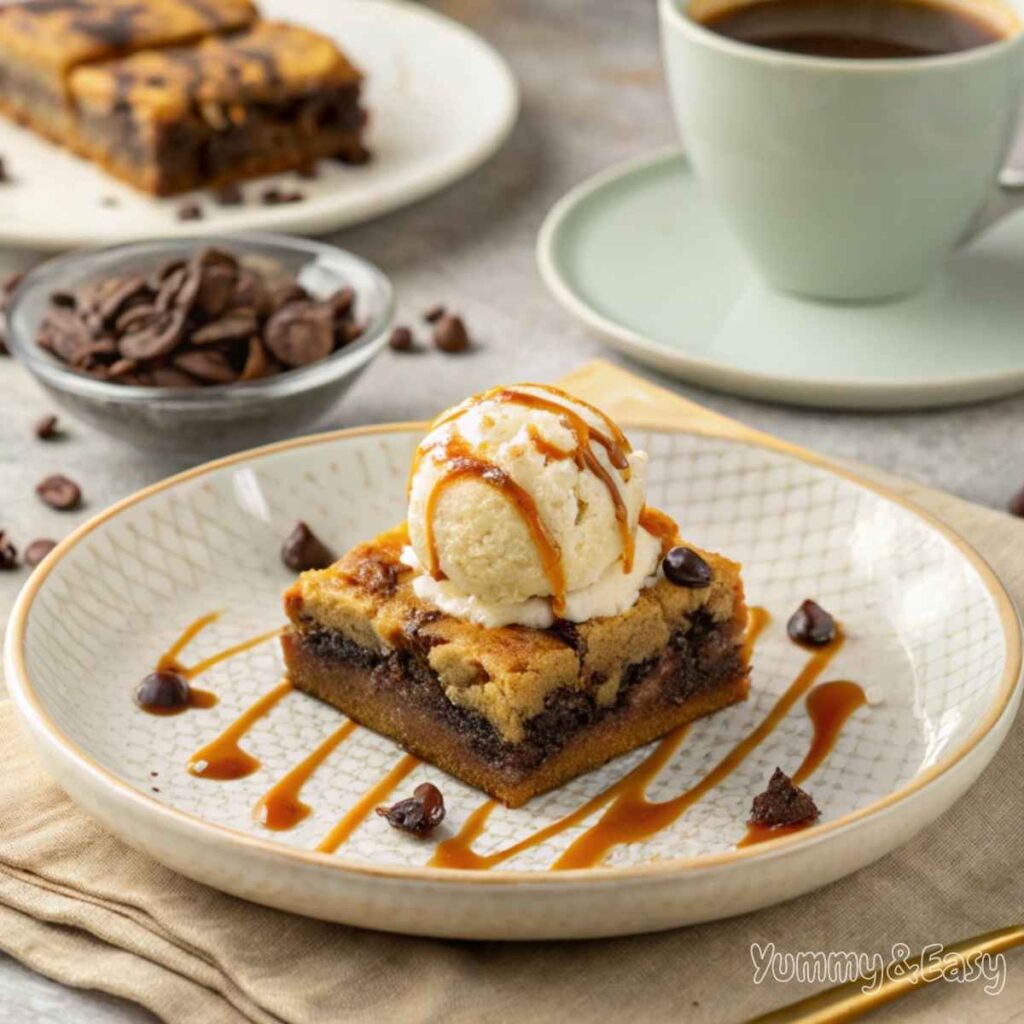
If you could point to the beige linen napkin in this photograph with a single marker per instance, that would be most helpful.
(81, 907)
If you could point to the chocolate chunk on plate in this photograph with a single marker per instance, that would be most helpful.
(783, 803)
(420, 814)
(303, 550)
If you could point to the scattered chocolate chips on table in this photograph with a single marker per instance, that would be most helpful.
(685, 568)
(434, 313)
(420, 814)
(60, 492)
(206, 320)
(1016, 506)
(46, 427)
(450, 334)
(782, 803)
(303, 550)
(811, 626)
(8, 553)
(401, 340)
(163, 691)
(37, 550)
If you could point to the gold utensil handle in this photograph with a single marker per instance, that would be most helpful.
(851, 1000)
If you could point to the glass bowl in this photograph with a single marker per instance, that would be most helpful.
(220, 418)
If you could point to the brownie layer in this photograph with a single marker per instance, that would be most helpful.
(222, 145)
(398, 694)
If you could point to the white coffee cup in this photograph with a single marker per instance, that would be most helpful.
(846, 179)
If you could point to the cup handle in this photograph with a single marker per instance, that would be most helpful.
(1007, 196)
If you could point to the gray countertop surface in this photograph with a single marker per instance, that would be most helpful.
(592, 95)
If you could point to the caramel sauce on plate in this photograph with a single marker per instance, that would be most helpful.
(828, 706)
(223, 759)
(280, 808)
(169, 661)
(366, 803)
(630, 813)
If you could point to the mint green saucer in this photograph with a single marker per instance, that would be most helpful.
(639, 253)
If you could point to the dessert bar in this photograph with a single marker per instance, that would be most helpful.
(43, 41)
(513, 711)
(270, 98)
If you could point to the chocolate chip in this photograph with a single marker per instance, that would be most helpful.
(64, 334)
(169, 377)
(301, 333)
(434, 313)
(216, 289)
(5, 176)
(60, 492)
(304, 550)
(46, 427)
(782, 803)
(450, 334)
(251, 292)
(811, 625)
(420, 814)
(229, 195)
(110, 303)
(8, 553)
(37, 550)
(163, 691)
(158, 328)
(207, 365)
(237, 325)
(401, 340)
(569, 633)
(1016, 506)
(190, 211)
(275, 196)
(685, 568)
(154, 336)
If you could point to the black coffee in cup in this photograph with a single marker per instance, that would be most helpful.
(854, 29)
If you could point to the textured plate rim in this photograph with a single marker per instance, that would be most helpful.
(851, 392)
(163, 816)
(316, 221)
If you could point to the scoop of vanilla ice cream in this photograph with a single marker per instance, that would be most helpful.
(483, 543)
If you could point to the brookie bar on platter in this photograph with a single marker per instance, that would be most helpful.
(173, 94)
(535, 617)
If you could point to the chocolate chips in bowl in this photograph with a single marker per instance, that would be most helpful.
(204, 345)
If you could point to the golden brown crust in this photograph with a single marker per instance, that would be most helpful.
(61, 34)
(504, 674)
(270, 61)
(178, 94)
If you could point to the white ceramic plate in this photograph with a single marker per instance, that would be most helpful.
(441, 101)
(932, 637)
(640, 254)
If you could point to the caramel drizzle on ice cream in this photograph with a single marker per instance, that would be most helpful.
(464, 463)
(661, 525)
